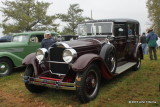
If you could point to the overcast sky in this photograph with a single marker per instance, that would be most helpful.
(103, 9)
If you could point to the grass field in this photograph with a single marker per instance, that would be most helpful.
(142, 86)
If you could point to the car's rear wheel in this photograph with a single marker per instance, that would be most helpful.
(87, 84)
(138, 63)
(6, 67)
(31, 87)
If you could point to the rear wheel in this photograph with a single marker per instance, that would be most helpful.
(87, 84)
(138, 63)
(31, 87)
(6, 67)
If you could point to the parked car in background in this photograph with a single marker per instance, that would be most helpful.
(6, 38)
(104, 49)
(12, 53)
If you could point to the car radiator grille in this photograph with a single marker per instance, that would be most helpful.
(55, 54)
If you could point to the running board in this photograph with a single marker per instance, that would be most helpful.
(124, 67)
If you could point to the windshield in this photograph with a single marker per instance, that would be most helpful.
(21, 38)
(100, 28)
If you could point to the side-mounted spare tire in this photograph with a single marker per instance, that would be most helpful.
(87, 83)
(29, 71)
(108, 53)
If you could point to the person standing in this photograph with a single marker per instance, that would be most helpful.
(143, 40)
(47, 41)
(151, 40)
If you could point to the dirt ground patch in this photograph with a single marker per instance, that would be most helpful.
(9, 100)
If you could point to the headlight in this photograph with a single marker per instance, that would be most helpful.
(40, 54)
(68, 55)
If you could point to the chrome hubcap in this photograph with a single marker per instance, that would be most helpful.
(3, 67)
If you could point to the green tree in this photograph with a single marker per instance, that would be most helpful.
(154, 14)
(26, 15)
(72, 18)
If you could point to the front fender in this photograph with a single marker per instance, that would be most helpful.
(17, 61)
(31, 60)
(81, 64)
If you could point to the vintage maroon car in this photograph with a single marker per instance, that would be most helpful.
(105, 49)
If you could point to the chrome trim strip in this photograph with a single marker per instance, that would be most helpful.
(56, 62)
(12, 50)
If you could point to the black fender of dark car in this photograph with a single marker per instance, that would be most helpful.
(82, 63)
(139, 49)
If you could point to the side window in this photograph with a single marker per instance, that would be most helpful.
(137, 29)
(119, 29)
(131, 29)
(36, 38)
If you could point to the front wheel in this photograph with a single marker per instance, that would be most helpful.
(31, 87)
(87, 84)
(6, 67)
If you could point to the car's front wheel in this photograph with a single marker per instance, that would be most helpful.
(6, 67)
(87, 84)
(31, 87)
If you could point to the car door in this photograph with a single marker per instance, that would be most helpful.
(120, 40)
(132, 38)
(34, 43)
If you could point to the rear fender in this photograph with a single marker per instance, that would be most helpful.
(84, 61)
(138, 49)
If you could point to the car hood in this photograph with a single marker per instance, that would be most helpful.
(83, 43)
(11, 45)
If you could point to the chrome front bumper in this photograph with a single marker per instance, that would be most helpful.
(57, 83)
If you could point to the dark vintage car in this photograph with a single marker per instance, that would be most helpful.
(105, 49)
(6, 38)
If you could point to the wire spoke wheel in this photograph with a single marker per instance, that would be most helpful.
(88, 83)
(111, 61)
(91, 83)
